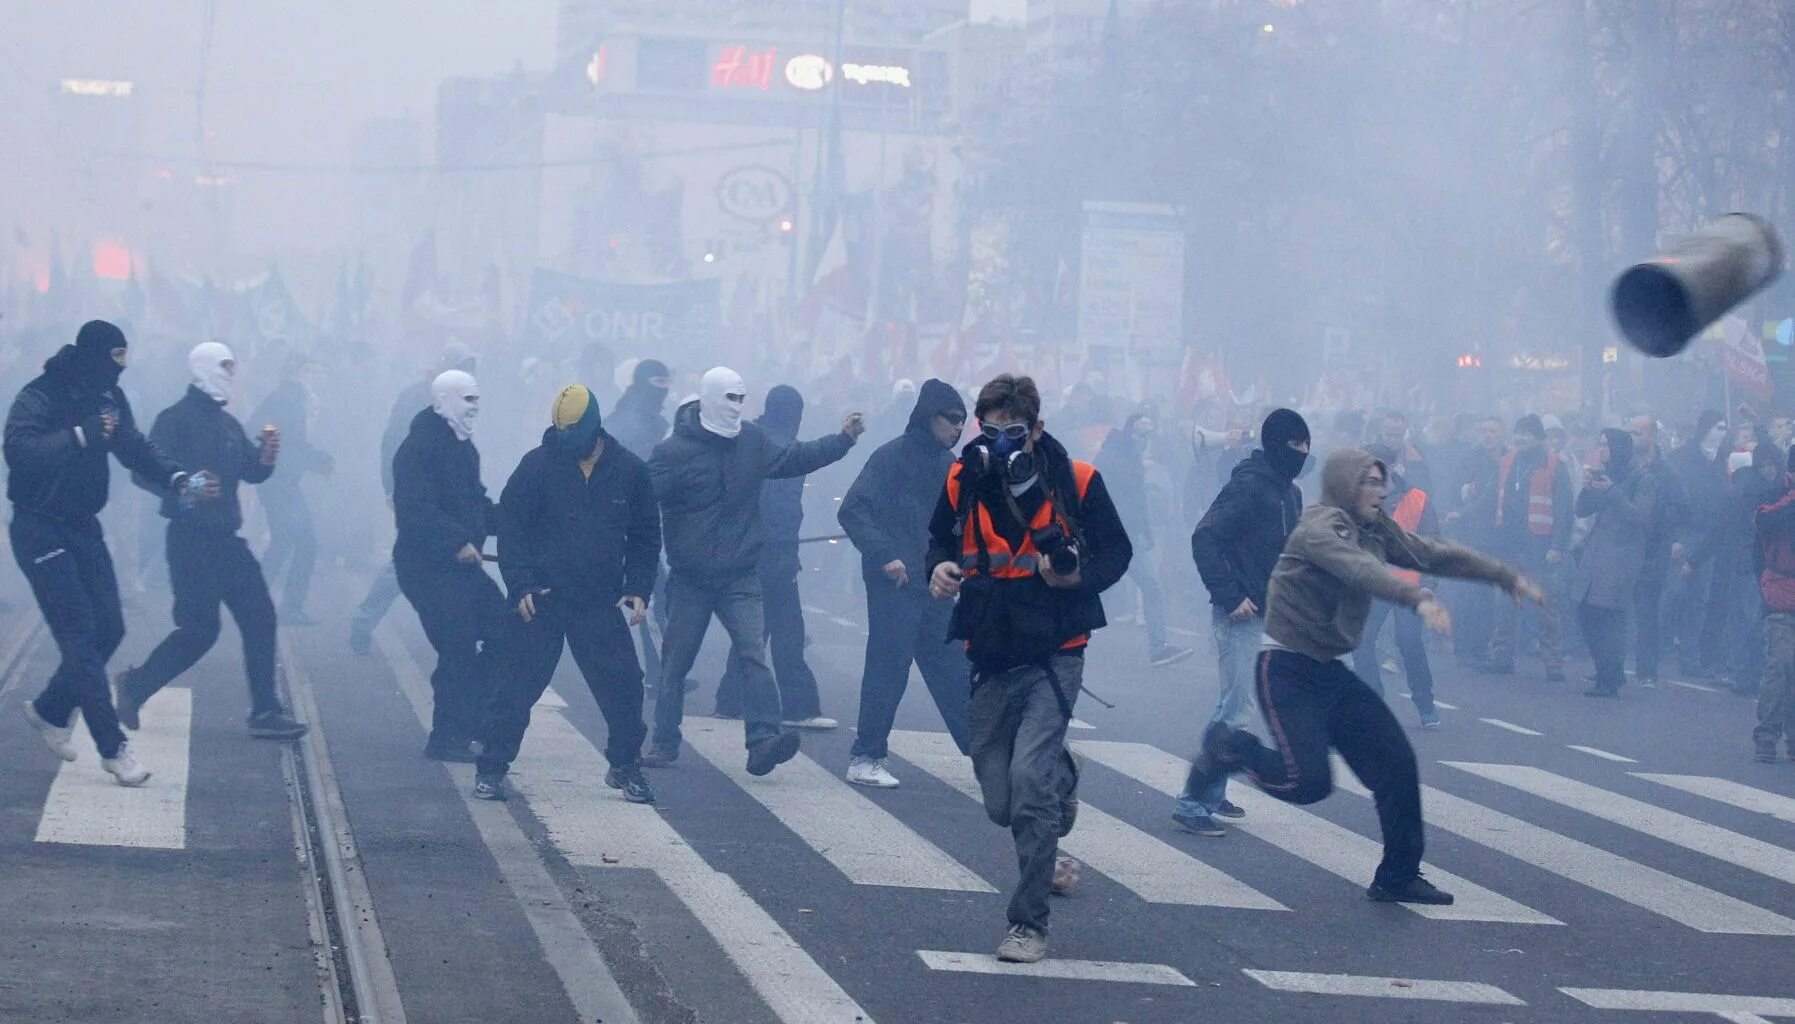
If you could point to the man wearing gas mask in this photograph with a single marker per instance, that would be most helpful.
(1027, 538)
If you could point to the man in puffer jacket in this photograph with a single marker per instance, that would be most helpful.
(707, 477)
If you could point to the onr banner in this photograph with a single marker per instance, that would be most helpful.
(662, 319)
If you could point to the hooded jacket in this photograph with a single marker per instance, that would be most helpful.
(1333, 567)
(638, 420)
(589, 540)
(199, 432)
(1609, 563)
(439, 503)
(708, 488)
(782, 501)
(886, 510)
(56, 449)
(1237, 542)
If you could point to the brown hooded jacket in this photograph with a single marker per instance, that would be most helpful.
(1333, 567)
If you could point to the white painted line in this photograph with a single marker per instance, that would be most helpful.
(1666, 825)
(1079, 723)
(1739, 1007)
(550, 699)
(1647, 888)
(1336, 850)
(1510, 726)
(1727, 791)
(1443, 704)
(1694, 686)
(1065, 970)
(566, 946)
(1150, 868)
(86, 807)
(863, 840)
(594, 829)
(1598, 752)
(1384, 988)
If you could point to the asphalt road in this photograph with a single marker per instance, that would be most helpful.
(1614, 861)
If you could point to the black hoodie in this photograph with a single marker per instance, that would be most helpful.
(198, 431)
(886, 511)
(56, 449)
(1237, 542)
(589, 540)
(782, 500)
(439, 504)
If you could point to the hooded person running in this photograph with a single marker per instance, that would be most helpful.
(1336, 562)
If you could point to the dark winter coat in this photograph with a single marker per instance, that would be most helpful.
(1123, 462)
(1609, 563)
(782, 500)
(1702, 479)
(886, 511)
(196, 431)
(439, 504)
(638, 421)
(589, 540)
(56, 449)
(1236, 545)
(398, 423)
(285, 408)
(708, 487)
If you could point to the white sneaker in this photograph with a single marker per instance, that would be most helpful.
(867, 771)
(815, 723)
(125, 768)
(58, 740)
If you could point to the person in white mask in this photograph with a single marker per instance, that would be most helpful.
(707, 476)
(209, 564)
(444, 516)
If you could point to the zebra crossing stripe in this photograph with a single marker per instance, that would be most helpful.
(1384, 988)
(863, 840)
(1603, 754)
(1064, 970)
(1144, 865)
(1650, 819)
(1511, 727)
(1733, 1008)
(595, 828)
(1727, 791)
(85, 807)
(1336, 850)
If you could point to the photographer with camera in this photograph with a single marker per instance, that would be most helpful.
(1027, 538)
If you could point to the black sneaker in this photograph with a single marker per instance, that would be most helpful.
(634, 786)
(659, 757)
(769, 754)
(457, 751)
(1766, 752)
(1229, 809)
(123, 702)
(490, 787)
(1415, 890)
(275, 725)
(1198, 824)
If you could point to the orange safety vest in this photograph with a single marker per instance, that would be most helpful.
(1408, 516)
(1540, 511)
(1022, 561)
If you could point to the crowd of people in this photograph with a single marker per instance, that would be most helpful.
(985, 543)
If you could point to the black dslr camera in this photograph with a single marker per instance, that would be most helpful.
(1053, 544)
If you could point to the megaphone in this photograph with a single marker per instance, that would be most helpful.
(1662, 303)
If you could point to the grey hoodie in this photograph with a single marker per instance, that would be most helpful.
(1333, 567)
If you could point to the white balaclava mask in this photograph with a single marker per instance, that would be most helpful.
(721, 395)
(456, 398)
(213, 366)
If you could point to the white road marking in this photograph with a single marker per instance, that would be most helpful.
(1647, 888)
(1737, 1008)
(1443, 704)
(1066, 970)
(1693, 686)
(1510, 726)
(1143, 864)
(551, 699)
(1384, 988)
(1603, 754)
(1079, 723)
(1727, 791)
(596, 828)
(863, 840)
(1336, 850)
(86, 807)
(1650, 819)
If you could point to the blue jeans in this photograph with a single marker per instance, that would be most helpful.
(1236, 653)
(736, 602)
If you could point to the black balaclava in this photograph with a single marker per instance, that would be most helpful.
(784, 410)
(647, 370)
(1620, 453)
(93, 353)
(1281, 429)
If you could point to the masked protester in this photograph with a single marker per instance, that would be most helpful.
(1337, 561)
(782, 516)
(1623, 503)
(886, 515)
(209, 564)
(1235, 546)
(638, 422)
(292, 543)
(579, 542)
(1123, 460)
(1027, 538)
(444, 517)
(707, 478)
(385, 588)
(59, 431)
